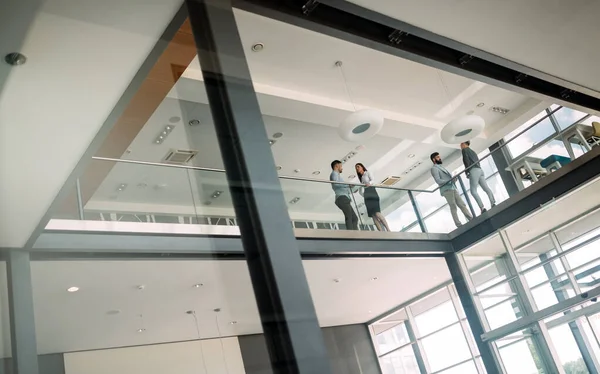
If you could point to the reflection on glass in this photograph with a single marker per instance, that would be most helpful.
(520, 357)
(531, 137)
(436, 318)
(466, 368)
(503, 313)
(566, 347)
(393, 338)
(441, 221)
(446, 348)
(565, 117)
(402, 361)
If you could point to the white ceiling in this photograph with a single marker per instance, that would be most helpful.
(301, 94)
(558, 37)
(79, 321)
(81, 57)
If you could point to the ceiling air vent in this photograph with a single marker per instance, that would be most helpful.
(390, 181)
(179, 156)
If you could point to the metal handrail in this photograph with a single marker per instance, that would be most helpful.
(223, 171)
(505, 144)
(286, 177)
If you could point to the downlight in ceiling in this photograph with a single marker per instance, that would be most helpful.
(15, 59)
(277, 135)
(160, 138)
(194, 122)
(179, 156)
(257, 47)
(500, 110)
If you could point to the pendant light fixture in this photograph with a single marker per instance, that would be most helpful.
(359, 125)
(462, 128)
(193, 314)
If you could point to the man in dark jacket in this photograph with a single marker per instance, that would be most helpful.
(475, 175)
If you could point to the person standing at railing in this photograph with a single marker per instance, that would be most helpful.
(475, 175)
(448, 189)
(371, 197)
(343, 195)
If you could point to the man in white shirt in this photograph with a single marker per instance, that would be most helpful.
(343, 195)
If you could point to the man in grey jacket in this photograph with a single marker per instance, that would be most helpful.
(448, 189)
(475, 175)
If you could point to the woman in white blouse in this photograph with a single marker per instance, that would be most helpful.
(371, 197)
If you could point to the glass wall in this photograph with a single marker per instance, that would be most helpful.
(552, 274)
(416, 338)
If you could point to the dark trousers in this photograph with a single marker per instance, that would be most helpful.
(345, 205)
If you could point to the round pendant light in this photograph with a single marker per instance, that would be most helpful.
(462, 129)
(361, 125)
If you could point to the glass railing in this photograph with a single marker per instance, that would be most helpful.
(140, 192)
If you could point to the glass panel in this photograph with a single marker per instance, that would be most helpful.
(520, 357)
(551, 293)
(485, 262)
(503, 313)
(402, 217)
(567, 117)
(441, 221)
(553, 147)
(436, 318)
(466, 368)
(393, 338)
(429, 202)
(567, 349)
(402, 361)
(531, 137)
(440, 353)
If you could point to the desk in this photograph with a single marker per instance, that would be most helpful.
(578, 134)
(531, 165)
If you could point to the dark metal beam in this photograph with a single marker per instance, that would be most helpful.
(283, 298)
(350, 22)
(22, 319)
(488, 356)
(567, 178)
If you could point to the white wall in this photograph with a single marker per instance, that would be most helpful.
(214, 356)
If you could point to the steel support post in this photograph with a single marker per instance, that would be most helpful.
(488, 352)
(542, 339)
(288, 317)
(21, 310)
(417, 210)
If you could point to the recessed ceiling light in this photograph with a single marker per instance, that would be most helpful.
(141, 287)
(277, 135)
(15, 59)
(316, 172)
(272, 141)
(194, 122)
(233, 323)
(216, 194)
(257, 47)
(163, 134)
(198, 285)
(278, 167)
(411, 155)
(191, 312)
(113, 312)
(122, 187)
(174, 119)
(207, 202)
(296, 171)
(374, 278)
(142, 185)
(141, 330)
(480, 105)
(337, 280)
(73, 289)
(294, 200)
(500, 110)
(352, 177)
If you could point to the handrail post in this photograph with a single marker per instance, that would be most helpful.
(79, 199)
(417, 211)
(462, 185)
